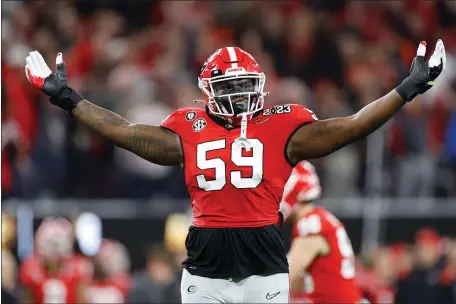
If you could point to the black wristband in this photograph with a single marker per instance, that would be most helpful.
(67, 99)
(407, 90)
(401, 93)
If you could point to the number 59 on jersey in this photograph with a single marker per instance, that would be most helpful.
(255, 161)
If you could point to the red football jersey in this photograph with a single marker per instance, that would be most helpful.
(230, 186)
(329, 278)
(53, 288)
(110, 290)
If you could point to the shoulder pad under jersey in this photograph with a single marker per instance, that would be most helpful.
(179, 118)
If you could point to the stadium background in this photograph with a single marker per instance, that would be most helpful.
(141, 59)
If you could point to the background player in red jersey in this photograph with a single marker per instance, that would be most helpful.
(53, 274)
(322, 263)
(111, 279)
(236, 157)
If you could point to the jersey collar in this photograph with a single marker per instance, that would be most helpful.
(223, 123)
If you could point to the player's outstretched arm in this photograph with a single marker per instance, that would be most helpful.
(150, 142)
(153, 143)
(321, 138)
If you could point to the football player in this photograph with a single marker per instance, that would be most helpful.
(236, 157)
(322, 263)
(53, 274)
(111, 280)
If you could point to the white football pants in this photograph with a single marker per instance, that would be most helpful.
(254, 289)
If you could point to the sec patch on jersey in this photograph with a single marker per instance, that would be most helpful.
(199, 124)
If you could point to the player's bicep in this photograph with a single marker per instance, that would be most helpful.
(322, 137)
(155, 144)
(303, 251)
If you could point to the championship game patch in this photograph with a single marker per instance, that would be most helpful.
(199, 125)
(189, 116)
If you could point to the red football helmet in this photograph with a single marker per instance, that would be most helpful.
(302, 186)
(54, 238)
(232, 83)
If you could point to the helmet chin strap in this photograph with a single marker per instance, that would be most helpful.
(242, 141)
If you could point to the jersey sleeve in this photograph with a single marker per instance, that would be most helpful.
(171, 122)
(297, 116)
(177, 120)
(300, 115)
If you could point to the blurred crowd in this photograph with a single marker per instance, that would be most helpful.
(421, 272)
(77, 266)
(141, 59)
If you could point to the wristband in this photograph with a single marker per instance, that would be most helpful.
(407, 90)
(67, 99)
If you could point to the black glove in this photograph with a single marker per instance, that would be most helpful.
(55, 85)
(423, 74)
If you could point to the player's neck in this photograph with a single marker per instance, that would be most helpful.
(221, 121)
(304, 209)
(225, 123)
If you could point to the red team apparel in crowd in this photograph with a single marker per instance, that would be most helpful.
(54, 274)
(111, 280)
(330, 275)
(111, 290)
(67, 285)
(223, 177)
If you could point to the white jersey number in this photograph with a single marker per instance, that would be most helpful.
(347, 268)
(255, 161)
(54, 291)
